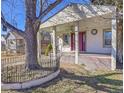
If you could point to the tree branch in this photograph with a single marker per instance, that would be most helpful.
(11, 27)
(41, 7)
(50, 7)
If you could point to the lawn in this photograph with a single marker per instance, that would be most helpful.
(75, 79)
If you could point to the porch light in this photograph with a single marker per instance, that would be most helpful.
(72, 28)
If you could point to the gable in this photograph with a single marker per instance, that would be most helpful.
(11, 36)
(77, 12)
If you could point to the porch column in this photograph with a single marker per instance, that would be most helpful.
(39, 45)
(113, 53)
(76, 42)
(54, 43)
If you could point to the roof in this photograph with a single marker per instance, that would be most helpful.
(15, 35)
(3, 35)
(76, 12)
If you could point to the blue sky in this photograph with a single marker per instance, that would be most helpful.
(15, 9)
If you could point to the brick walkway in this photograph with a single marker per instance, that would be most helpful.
(91, 61)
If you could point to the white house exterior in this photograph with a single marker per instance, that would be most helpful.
(93, 43)
(85, 29)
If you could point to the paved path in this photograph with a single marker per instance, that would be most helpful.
(91, 61)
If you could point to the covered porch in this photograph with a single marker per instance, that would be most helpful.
(90, 61)
(77, 19)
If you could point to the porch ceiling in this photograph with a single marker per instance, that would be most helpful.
(77, 12)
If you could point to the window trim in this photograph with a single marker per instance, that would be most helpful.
(106, 46)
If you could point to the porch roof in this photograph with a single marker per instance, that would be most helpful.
(76, 12)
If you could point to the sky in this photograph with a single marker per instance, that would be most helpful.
(14, 11)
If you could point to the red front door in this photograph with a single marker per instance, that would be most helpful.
(72, 41)
(82, 41)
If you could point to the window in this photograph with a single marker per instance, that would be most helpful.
(20, 41)
(66, 39)
(107, 38)
(46, 36)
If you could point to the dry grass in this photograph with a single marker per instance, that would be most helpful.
(75, 79)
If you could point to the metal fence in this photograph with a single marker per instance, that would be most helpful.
(13, 68)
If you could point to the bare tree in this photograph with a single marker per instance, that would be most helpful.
(32, 24)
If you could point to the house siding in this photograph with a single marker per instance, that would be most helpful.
(15, 43)
(94, 43)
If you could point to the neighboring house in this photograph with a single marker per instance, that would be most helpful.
(85, 29)
(15, 43)
(3, 42)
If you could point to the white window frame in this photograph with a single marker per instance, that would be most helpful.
(104, 45)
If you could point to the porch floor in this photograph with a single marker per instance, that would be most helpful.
(91, 61)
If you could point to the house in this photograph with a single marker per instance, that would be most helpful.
(95, 33)
(15, 43)
(84, 30)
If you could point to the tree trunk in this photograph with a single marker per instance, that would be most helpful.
(120, 41)
(31, 50)
(32, 24)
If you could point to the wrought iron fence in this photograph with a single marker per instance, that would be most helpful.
(13, 68)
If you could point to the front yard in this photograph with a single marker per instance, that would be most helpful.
(75, 79)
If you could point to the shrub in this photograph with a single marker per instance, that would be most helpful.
(48, 49)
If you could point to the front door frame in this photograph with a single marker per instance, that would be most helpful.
(80, 40)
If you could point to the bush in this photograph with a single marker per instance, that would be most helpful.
(48, 49)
